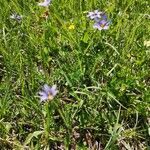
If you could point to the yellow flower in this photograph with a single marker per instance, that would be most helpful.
(71, 27)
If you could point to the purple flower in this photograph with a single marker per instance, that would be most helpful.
(103, 16)
(45, 3)
(102, 25)
(95, 15)
(48, 93)
(100, 18)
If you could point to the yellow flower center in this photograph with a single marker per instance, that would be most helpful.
(50, 97)
(103, 25)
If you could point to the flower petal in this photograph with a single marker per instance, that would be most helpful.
(46, 88)
(53, 90)
(43, 98)
(42, 93)
(103, 16)
(106, 27)
(97, 26)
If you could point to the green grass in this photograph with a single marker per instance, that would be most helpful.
(103, 77)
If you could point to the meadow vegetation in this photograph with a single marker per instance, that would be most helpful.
(102, 76)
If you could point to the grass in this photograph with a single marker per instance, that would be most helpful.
(103, 77)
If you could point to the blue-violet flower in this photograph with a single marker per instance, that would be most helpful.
(102, 25)
(48, 93)
(95, 15)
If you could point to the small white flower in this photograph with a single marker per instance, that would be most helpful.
(45, 3)
(16, 17)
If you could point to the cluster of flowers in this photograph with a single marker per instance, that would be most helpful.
(101, 23)
(100, 18)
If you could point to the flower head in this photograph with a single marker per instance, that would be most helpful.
(16, 17)
(45, 3)
(48, 93)
(95, 15)
(71, 27)
(102, 25)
